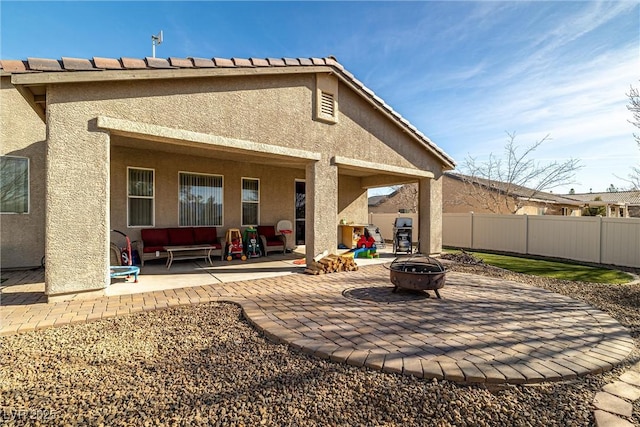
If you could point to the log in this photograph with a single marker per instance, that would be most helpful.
(330, 264)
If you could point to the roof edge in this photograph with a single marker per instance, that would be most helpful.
(35, 71)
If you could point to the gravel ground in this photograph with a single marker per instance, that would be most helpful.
(205, 365)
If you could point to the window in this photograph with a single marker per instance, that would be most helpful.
(14, 184)
(200, 198)
(140, 194)
(250, 201)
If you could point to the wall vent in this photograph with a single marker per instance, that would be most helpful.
(326, 99)
(327, 106)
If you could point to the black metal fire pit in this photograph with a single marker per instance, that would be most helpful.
(417, 272)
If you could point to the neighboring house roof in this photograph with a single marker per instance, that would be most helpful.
(516, 190)
(376, 200)
(96, 69)
(631, 197)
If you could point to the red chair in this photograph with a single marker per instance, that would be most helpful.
(270, 240)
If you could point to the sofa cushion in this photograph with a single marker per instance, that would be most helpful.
(268, 231)
(156, 237)
(180, 236)
(205, 235)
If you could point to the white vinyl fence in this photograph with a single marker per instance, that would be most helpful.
(614, 241)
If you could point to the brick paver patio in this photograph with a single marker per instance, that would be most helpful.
(482, 330)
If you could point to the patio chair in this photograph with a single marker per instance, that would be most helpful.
(271, 241)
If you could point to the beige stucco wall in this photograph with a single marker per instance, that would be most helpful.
(404, 199)
(77, 197)
(430, 215)
(23, 134)
(457, 200)
(274, 110)
(352, 200)
(86, 196)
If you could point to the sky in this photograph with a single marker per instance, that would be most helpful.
(465, 73)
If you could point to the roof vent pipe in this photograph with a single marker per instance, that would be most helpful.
(155, 40)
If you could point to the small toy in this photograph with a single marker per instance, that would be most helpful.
(366, 253)
(366, 246)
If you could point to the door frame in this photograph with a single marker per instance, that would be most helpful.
(295, 217)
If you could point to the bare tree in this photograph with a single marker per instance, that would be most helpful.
(634, 106)
(507, 184)
(405, 197)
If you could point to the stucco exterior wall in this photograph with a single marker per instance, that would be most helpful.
(405, 199)
(456, 199)
(364, 135)
(430, 215)
(274, 110)
(352, 200)
(23, 134)
(77, 197)
(86, 194)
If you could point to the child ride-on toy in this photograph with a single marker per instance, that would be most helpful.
(234, 245)
(252, 243)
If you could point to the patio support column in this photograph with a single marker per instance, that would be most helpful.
(321, 208)
(77, 205)
(430, 215)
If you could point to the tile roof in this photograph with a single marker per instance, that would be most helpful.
(376, 200)
(34, 65)
(96, 64)
(516, 190)
(631, 197)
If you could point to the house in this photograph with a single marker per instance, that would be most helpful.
(91, 145)
(462, 193)
(619, 204)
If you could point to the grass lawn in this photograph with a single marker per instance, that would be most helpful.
(554, 269)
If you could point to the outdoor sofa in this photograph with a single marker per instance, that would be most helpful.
(153, 241)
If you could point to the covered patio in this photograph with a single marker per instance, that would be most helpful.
(136, 144)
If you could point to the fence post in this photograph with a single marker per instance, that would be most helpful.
(471, 228)
(526, 234)
(600, 241)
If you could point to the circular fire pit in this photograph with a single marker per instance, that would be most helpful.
(417, 272)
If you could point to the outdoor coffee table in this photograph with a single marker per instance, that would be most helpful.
(189, 252)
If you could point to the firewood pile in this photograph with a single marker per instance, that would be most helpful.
(331, 264)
